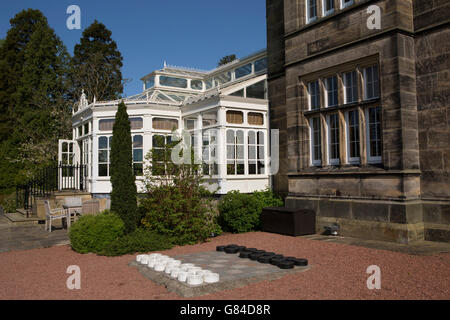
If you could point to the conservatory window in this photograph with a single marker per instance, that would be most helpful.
(223, 78)
(106, 124)
(210, 166)
(235, 152)
(236, 117)
(86, 128)
(261, 64)
(138, 155)
(136, 123)
(173, 82)
(209, 118)
(255, 118)
(196, 85)
(208, 84)
(104, 150)
(243, 71)
(165, 124)
(150, 82)
(159, 160)
(256, 152)
(239, 93)
(190, 123)
(257, 90)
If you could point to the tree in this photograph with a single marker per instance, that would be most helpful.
(226, 59)
(96, 65)
(1, 42)
(12, 58)
(34, 107)
(42, 106)
(124, 193)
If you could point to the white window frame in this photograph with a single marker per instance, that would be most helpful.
(332, 161)
(308, 18)
(372, 159)
(236, 161)
(345, 5)
(143, 155)
(315, 162)
(376, 94)
(309, 94)
(108, 155)
(327, 104)
(327, 12)
(352, 160)
(354, 84)
(208, 150)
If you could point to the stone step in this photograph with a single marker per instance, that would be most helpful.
(17, 217)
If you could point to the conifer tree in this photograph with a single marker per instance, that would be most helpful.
(124, 193)
(96, 64)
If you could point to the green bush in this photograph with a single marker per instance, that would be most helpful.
(176, 203)
(9, 203)
(93, 233)
(140, 240)
(185, 219)
(241, 212)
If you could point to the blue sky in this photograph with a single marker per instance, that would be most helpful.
(195, 33)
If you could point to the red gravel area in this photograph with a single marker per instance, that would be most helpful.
(338, 271)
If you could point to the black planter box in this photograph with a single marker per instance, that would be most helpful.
(286, 221)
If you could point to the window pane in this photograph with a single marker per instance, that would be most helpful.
(209, 118)
(173, 82)
(256, 90)
(235, 117)
(230, 152)
(243, 71)
(230, 136)
(260, 64)
(136, 123)
(165, 124)
(103, 156)
(252, 152)
(240, 137)
(314, 95)
(138, 169)
(106, 124)
(150, 82)
(102, 142)
(137, 155)
(223, 78)
(196, 84)
(251, 137)
(334, 137)
(332, 91)
(239, 93)
(137, 141)
(102, 170)
(252, 167)
(158, 141)
(354, 134)
(208, 84)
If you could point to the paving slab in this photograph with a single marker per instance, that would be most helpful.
(233, 271)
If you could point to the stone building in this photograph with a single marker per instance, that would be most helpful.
(363, 114)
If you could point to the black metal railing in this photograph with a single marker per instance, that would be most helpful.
(50, 179)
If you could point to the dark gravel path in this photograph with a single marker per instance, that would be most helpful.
(338, 271)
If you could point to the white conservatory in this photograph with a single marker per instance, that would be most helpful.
(227, 107)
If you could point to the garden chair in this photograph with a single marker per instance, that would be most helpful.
(53, 214)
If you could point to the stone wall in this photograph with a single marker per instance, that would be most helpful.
(406, 198)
